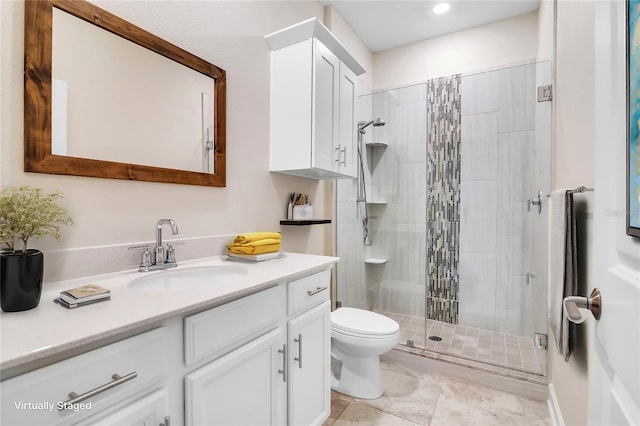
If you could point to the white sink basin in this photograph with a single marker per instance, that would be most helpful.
(187, 278)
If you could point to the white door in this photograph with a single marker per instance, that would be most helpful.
(309, 363)
(244, 387)
(614, 341)
(348, 133)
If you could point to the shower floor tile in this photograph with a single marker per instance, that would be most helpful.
(503, 350)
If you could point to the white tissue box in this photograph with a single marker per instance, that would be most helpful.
(301, 212)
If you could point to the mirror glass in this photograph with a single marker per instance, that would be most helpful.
(121, 103)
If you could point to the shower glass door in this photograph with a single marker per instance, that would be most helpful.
(457, 253)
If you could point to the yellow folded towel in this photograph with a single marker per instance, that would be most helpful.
(272, 248)
(257, 236)
(257, 247)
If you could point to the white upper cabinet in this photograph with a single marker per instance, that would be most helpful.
(314, 86)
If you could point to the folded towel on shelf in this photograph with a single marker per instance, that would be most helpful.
(563, 268)
(256, 236)
(255, 243)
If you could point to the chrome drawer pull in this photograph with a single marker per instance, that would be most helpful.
(316, 291)
(75, 398)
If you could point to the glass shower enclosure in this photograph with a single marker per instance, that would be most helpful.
(457, 240)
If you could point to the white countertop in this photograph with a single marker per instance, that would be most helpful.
(50, 329)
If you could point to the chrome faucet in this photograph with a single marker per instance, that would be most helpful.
(160, 260)
(169, 261)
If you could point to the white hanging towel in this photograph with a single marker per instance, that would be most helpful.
(563, 280)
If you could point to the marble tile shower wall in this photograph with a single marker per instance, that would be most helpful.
(397, 177)
(497, 179)
(351, 285)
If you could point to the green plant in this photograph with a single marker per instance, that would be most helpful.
(27, 212)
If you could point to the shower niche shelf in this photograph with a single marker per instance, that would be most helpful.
(376, 144)
(375, 261)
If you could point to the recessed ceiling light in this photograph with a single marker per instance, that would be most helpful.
(441, 8)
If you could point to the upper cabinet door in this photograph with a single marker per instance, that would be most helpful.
(325, 108)
(313, 101)
(348, 139)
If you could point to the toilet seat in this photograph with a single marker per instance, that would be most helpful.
(361, 323)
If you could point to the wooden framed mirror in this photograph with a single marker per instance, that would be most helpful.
(41, 157)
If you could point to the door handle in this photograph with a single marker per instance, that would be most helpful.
(283, 351)
(299, 357)
(593, 303)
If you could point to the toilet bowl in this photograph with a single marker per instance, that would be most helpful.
(358, 338)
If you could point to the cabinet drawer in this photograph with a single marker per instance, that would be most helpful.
(217, 331)
(308, 291)
(35, 398)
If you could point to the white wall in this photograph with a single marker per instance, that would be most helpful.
(228, 34)
(343, 32)
(501, 43)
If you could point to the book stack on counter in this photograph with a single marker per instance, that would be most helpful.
(85, 295)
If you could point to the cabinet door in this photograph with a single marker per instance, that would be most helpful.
(150, 410)
(309, 363)
(244, 387)
(348, 138)
(325, 108)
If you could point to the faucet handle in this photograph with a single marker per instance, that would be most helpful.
(145, 260)
(171, 254)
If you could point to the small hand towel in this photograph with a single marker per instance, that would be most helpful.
(256, 236)
(563, 268)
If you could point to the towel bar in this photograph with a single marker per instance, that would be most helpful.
(577, 190)
(593, 303)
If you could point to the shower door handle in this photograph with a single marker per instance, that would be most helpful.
(536, 202)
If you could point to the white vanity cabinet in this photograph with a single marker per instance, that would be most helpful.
(309, 342)
(314, 88)
(276, 358)
(244, 383)
(256, 358)
(244, 387)
(123, 383)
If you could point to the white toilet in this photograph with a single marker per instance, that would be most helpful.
(358, 338)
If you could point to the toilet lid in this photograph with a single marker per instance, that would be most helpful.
(359, 321)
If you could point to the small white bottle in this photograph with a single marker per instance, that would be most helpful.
(290, 211)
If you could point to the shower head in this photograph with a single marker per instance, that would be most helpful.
(364, 124)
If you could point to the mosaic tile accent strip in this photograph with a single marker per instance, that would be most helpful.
(443, 198)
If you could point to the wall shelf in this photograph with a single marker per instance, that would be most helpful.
(377, 144)
(375, 261)
(305, 222)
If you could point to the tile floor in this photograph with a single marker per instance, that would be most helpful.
(504, 350)
(426, 399)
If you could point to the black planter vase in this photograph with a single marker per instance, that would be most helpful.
(20, 280)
